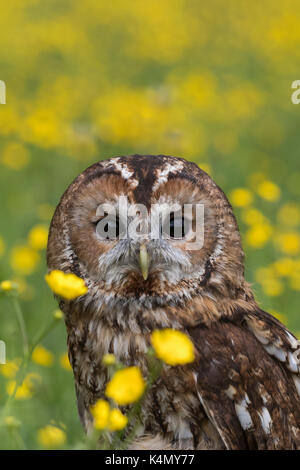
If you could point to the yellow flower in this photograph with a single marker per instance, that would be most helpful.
(289, 242)
(295, 281)
(25, 390)
(42, 356)
(64, 362)
(172, 346)
(272, 287)
(65, 285)
(109, 359)
(24, 259)
(2, 246)
(100, 412)
(116, 420)
(51, 437)
(38, 237)
(58, 314)
(289, 215)
(126, 386)
(15, 156)
(268, 190)
(258, 235)
(253, 216)
(241, 197)
(6, 285)
(10, 369)
(284, 266)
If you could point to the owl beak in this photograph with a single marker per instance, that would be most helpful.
(144, 261)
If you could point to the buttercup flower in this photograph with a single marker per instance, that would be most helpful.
(116, 420)
(268, 190)
(241, 197)
(172, 346)
(51, 436)
(109, 359)
(65, 285)
(6, 285)
(24, 259)
(126, 386)
(100, 412)
(38, 237)
(42, 356)
(64, 362)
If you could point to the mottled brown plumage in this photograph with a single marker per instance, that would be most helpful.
(242, 391)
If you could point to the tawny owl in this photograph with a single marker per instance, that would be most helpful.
(242, 390)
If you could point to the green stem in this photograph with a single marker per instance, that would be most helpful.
(24, 364)
(22, 325)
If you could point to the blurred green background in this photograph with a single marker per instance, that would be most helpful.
(208, 81)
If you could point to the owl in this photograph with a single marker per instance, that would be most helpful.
(242, 391)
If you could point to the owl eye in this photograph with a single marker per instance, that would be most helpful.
(108, 228)
(177, 228)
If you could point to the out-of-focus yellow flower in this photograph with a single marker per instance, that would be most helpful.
(10, 369)
(126, 386)
(24, 259)
(42, 356)
(38, 237)
(15, 156)
(172, 346)
(258, 235)
(64, 362)
(6, 285)
(289, 215)
(241, 197)
(253, 216)
(289, 242)
(116, 420)
(2, 246)
(295, 281)
(262, 273)
(268, 190)
(25, 390)
(272, 287)
(100, 412)
(109, 359)
(58, 314)
(284, 266)
(65, 285)
(51, 437)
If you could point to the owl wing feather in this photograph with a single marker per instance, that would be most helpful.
(248, 381)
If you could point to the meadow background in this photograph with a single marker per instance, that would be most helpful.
(208, 81)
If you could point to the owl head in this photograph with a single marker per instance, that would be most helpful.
(144, 226)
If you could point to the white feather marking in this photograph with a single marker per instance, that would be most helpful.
(293, 341)
(230, 392)
(279, 353)
(162, 175)
(265, 419)
(297, 383)
(243, 414)
(293, 364)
